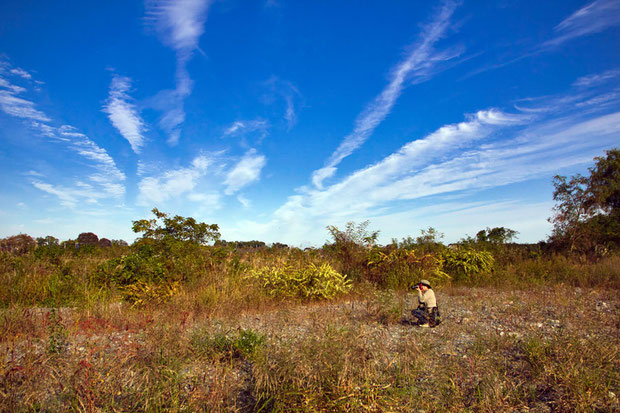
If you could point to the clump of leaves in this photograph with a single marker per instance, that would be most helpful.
(311, 282)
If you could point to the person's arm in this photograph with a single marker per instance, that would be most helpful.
(421, 301)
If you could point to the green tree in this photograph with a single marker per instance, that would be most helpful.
(496, 235)
(587, 211)
(163, 228)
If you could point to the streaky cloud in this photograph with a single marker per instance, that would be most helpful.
(592, 18)
(241, 127)
(597, 79)
(418, 63)
(179, 24)
(123, 114)
(20, 108)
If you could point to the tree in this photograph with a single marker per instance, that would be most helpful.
(604, 183)
(87, 238)
(571, 210)
(164, 228)
(496, 235)
(587, 212)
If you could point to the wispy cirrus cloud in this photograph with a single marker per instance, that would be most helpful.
(592, 18)
(179, 24)
(286, 91)
(597, 78)
(105, 180)
(75, 195)
(20, 108)
(245, 172)
(21, 73)
(5, 84)
(417, 63)
(123, 114)
(241, 127)
(13, 105)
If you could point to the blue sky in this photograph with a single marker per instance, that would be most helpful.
(277, 118)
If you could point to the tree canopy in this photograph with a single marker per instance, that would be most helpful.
(587, 211)
(164, 227)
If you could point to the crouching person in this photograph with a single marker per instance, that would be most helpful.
(427, 313)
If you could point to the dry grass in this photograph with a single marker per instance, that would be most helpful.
(545, 349)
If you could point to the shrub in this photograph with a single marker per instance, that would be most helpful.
(132, 268)
(464, 263)
(141, 293)
(308, 282)
(242, 344)
(401, 267)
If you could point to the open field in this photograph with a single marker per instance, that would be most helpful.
(552, 348)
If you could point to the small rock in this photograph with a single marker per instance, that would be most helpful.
(612, 395)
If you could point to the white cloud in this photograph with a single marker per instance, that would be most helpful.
(592, 18)
(244, 201)
(289, 94)
(8, 85)
(46, 130)
(173, 183)
(123, 114)
(246, 171)
(21, 73)
(241, 127)
(106, 180)
(208, 201)
(418, 63)
(85, 147)
(70, 197)
(597, 79)
(179, 23)
(20, 108)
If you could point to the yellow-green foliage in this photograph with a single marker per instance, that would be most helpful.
(465, 262)
(401, 267)
(307, 282)
(141, 293)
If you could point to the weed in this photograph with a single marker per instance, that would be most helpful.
(57, 341)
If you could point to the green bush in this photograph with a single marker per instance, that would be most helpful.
(307, 282)
(464, 263)
(131, 268)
